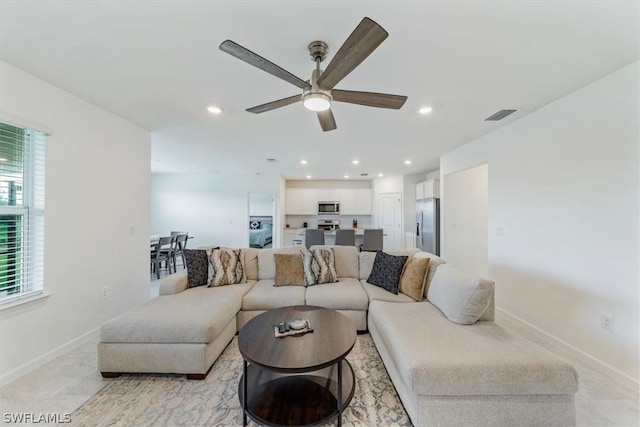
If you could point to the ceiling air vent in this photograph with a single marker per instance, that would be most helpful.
(364, 174)
(271, 160)
(499, 115)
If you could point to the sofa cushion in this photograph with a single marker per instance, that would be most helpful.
(387, 270)
(264, 296)
(460, 296)
(196, 315)
(267, 263)
(289, 271)
(346, 259)
(251, 263)
(197, 264)
(414, 277)
(367, 259)
(434, 262)
(377, 293)
(347, 294)
(446, 359)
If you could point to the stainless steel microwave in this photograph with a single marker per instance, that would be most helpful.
(328, 208)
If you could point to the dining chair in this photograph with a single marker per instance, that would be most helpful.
(181, 245)
(158, 255)
(346, 237)
(313, 236)
(170, 251)
(372, 240)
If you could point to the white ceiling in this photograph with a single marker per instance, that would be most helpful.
(157, 64)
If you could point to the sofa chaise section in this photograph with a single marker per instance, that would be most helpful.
(183, 333)
(472, 375)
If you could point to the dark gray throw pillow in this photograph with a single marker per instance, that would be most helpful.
(386, 271)
(197, 267)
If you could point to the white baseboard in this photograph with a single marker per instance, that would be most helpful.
(47, 357)
(587, 359)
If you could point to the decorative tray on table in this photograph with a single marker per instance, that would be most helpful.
(292, 327)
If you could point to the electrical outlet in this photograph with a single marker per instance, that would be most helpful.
(104, 292)
(607, 321)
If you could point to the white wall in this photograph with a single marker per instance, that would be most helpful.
(563, 185)
(261, 204)
(213, 208)
(465, 217)
(97, 192)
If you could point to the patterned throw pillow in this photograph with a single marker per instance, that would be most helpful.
(254, 225)
(289, 270)
(386, 271)
(307, 267)
(319, 266)
(197, 267)
(324, 266)
(226, 267)
(414, 277)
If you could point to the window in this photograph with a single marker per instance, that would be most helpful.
(21, 212)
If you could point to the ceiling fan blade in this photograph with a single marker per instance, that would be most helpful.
(327, 121)
(367, 36)
(370, 99)
(258, 61)
(274, 104)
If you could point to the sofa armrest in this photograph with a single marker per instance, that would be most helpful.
(174, 284)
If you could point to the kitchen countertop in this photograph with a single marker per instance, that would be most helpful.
(359, 232)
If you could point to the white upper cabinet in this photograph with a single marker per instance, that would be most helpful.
(355, 201)
(302, 201)
(428, 189)
(329, 195)
(310, 201)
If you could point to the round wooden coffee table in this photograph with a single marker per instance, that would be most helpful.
(296, 380)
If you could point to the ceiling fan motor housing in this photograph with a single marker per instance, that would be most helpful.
(318, 50)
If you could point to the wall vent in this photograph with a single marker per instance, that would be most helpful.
(499, 115)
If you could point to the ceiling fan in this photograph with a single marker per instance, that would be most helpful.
(319, 92)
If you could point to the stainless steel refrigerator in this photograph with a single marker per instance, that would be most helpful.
(428, 225)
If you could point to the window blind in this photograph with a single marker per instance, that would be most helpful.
(22, 164)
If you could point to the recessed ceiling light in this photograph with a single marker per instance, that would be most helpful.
(407, 162)
(214, 110)
(346, 176)
(425, 110)
(380, 175)
(355, 162)
(303, 162)
(308, 176)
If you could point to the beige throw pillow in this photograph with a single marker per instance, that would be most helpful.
(289, 271)
(414, 277)
(460, 296)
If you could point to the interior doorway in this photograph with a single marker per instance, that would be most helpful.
(261, 224)
(391, 220)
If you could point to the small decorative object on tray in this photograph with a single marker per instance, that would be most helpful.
(293, 327)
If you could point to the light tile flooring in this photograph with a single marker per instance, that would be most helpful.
(63, 384)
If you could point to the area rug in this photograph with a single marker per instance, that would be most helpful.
(172, 400)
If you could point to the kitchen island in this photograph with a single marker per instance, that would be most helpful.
(291, 234)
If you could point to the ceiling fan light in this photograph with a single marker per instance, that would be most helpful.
(316, 101)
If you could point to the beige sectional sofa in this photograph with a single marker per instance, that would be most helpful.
(445, 373)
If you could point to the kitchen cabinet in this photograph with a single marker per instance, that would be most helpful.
(329, 195)
(428, 189)
(355, 201)
(302, 201)
(291, 234)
